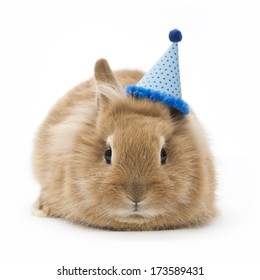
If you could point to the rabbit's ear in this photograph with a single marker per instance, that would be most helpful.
(108, 88)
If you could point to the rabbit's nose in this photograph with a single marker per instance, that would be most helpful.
(135, 191)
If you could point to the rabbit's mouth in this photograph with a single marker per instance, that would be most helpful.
(136, 214)
(133, 218)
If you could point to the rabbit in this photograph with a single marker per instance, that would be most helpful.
(109, 160)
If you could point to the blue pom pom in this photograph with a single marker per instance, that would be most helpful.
(175, 36)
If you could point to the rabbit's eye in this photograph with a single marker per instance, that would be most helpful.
(108, 155)
(163, 156)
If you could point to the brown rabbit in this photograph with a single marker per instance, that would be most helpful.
(110, 160)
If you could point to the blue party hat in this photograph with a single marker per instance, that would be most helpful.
(162, 82)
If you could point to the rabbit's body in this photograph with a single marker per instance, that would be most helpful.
(137, 190)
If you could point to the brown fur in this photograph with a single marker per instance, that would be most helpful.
(77, 183)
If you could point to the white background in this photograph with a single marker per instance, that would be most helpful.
(48, 47)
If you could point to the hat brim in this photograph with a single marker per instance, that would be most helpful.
(158, 96)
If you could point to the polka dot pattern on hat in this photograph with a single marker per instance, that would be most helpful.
(164, 75)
